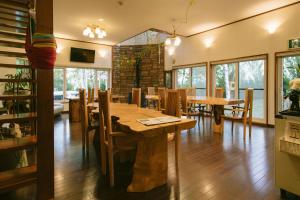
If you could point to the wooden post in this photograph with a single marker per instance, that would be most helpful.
(45, 117)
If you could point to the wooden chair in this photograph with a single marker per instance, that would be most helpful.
(86, 123)
(172, 104)
(91, 95)
(161, 92)
(191, 91)
(151, 91)
(243, 114)
(186, 108)
(173, 109)
(136, 96)
(110, 142)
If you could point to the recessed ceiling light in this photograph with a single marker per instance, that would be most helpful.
(101, 20)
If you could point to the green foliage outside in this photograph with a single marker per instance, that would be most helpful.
(291, 70)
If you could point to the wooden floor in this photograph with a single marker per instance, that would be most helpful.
(212, 167)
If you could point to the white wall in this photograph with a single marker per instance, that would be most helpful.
(246, 38)
(102, 57)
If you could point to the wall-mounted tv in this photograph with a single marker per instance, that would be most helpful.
(82, 55)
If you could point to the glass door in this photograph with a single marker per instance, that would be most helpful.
(225, 77)
(235, 77)
(199, 80)
(252, 75)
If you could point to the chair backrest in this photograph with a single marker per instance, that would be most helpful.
(104, 115)
(173, 104)
(136, 96)
(248, 103)
(91, 95)
(83, 110)
(183, 99)
(219, 92)
(191, 91)
(151, 90)
(161, 92)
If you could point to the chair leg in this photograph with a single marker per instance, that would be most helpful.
(250, 127)
(245, 127)
(87, 141)
(111, 166)
(232, 125)
(177, 146)
(103, 159)
(83, 144)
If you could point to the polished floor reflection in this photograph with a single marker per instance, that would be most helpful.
(212, 167)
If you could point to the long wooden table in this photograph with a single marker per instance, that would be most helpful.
(218, 107)
(217, 103)
(151, 163)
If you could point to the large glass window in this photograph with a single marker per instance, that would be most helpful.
(225, 78)
(183, 78)
(58, 84)
(67, 81)
(192, 77)
(252, 75)
(235, 77)
(289, 69)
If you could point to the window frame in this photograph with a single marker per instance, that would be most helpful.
(236, 61)
(190, 67)
(89, 68)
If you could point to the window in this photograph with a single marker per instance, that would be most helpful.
(67, 81)
(192, 77)
(58, 84)
(225, 78)
(238, 75)
(288, 69)
(184, 78)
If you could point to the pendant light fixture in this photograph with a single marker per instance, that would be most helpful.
(94, 31)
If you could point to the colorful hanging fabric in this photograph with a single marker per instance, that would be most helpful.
(44, 50)
(41, 50)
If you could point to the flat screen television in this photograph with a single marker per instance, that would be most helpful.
(82, 55)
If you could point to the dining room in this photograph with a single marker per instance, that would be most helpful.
(128, 99)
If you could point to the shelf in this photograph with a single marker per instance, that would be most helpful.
(13, 54)
(14, 66)
(20, 28)
(14, 5)
(13, 144)
(290, 146)
(12, 44)
(18, 36)
(16, 97)
(17, 80)
(17, 117)
(13, 14)
(13, 179)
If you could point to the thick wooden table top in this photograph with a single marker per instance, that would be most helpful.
(128, 114)
(205, 100)
(213, 100)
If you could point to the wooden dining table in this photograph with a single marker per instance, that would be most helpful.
(218, 107)
(151, 164)
(217, 103)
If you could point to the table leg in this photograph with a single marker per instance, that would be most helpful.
(218, 112)
(151, 166)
